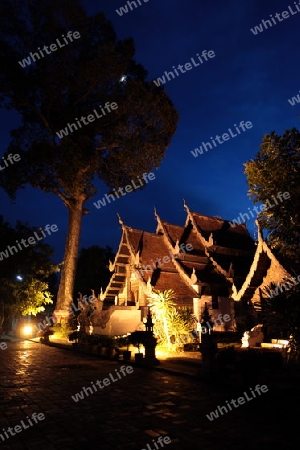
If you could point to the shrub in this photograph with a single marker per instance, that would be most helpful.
(44, 335)
(227, 337)
(252, 359)
(74, 336)
(137, 338)
(122, 341)
(61, 331)
(226, 356)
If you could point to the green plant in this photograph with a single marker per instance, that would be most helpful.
(61, 331)
(163, 305)
(280, 315)
(122, 341)
(44, 335)
(188, 318)
(171, 325)
(74, 336)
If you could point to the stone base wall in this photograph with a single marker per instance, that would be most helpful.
(122, 321)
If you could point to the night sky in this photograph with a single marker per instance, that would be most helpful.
(250, 78)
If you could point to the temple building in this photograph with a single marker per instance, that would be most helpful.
(208, 260)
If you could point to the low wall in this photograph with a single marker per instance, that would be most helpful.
(121, 321)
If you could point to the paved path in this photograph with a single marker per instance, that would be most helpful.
(133, 410)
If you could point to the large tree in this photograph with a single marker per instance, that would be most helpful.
(275, 169)
(62, 87)
(25, 270)
(280, 314)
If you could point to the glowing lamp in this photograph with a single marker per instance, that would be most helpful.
(27, 330)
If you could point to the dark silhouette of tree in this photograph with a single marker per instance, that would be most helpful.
(92, 269)
(245, 316)
(280, 314)
(275, 169)
(64, 86)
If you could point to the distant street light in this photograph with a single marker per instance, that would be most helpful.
(19, 278)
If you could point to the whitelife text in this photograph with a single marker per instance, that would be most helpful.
(53, 47)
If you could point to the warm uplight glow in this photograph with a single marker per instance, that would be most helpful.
(27, 330)
(54, 337)
(162, 354)
(61, 313)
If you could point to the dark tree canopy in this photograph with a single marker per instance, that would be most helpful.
(276, 168)
(92, 269)
(280, 314)
(62, 87)
(71, 83)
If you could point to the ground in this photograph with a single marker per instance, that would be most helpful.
(132, 411)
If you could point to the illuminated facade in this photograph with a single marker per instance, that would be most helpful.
(207, 260)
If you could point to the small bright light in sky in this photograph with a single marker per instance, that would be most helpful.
(19, 277)
(123, 78)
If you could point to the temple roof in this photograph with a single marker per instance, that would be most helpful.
(155, 261)
(221, 256)
(151, 247)
(182, 235)
(262, 266)
(265, 268)
(222, 232)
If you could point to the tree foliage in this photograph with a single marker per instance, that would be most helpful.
(280, 315)
(64, 86)
(30, 297)
(30, 293)
(276, 168)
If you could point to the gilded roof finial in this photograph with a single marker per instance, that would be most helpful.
(120, 220)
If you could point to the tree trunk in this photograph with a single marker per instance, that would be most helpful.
(67, 281)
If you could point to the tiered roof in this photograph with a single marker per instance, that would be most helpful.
(223, 256)
(195, 261)
(265, 269)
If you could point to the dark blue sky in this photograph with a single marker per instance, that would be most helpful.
(250, 78)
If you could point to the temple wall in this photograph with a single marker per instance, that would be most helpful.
(226, 306)
(120, 322)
